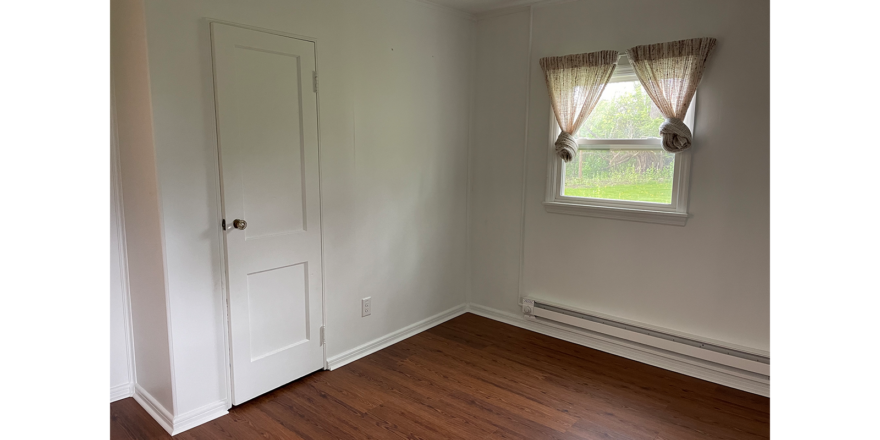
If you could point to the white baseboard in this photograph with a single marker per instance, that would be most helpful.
(393, 338)
(178, 424)
(712, 372)
(199, 416)
(122, 391)
(154, 408)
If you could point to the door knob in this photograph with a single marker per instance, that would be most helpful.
(237, 224)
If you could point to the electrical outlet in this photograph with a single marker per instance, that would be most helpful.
(366, 306)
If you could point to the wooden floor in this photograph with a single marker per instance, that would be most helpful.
(474, 378)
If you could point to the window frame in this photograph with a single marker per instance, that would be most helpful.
(674, 213)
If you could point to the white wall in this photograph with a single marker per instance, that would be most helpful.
(143, 224)
(395, 83)
(708, 278)
(121, 377)
(496, 158)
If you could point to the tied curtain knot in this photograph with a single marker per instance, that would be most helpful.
(676, 135)
(567, 146)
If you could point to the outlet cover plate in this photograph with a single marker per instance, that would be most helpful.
(366, 306)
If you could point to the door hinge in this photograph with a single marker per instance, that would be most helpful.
(315, 80)
(322, 335)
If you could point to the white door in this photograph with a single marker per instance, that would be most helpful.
(268, 138)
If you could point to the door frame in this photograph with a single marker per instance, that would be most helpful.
(224, 266)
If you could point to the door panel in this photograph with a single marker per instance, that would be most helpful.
(278, 309)
(268, 103)
(268, 139)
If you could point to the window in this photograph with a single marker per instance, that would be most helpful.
(621, 170)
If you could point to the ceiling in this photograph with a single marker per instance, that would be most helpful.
(478, 6)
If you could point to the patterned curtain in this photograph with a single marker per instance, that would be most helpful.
(670, 73)
(575, 83)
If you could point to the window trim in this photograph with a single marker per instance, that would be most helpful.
(674, 213)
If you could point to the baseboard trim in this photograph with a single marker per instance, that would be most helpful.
(199, 416)
(154, 408)
(183, 422)
(122, 391)
(698, 368)
(393, 338)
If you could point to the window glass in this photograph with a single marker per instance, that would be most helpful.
(625, 111)
(618, 174)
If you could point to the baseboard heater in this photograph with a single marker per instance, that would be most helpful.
(743, 358)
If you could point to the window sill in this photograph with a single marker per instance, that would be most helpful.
(630, 214)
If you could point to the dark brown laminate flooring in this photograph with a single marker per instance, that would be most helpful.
(474, 378)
